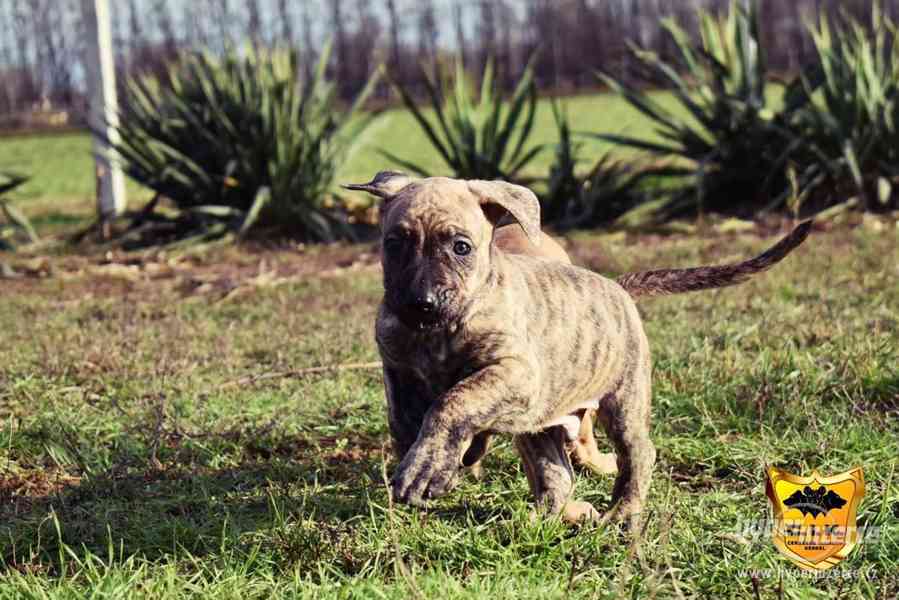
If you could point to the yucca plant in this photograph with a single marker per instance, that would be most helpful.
(731, 145)
(483, 138)
(610, 189)
(847, 112)
(564, 184)
(16, 228)
(575, 199)
(242, 140)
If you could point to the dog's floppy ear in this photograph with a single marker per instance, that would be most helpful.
(385, 184)
(501, 200)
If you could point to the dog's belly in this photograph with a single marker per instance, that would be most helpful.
(572, 422)
(586, 337)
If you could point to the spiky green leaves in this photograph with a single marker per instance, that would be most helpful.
(728, 146)
(848, 108)
(16, 228)
(246, 133)
(483, 138)
(833, 137)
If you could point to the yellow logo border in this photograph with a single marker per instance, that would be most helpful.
(775, 474)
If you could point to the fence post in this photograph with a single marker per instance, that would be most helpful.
(103, 114)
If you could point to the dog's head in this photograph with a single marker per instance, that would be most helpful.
(436, 238)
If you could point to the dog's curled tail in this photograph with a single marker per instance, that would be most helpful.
(676, 281)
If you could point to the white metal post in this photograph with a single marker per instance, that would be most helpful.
(103, 115)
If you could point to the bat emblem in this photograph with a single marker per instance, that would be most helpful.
(814, 502)
(822, 541)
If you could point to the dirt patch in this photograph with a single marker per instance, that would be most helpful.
(329, 449)
(219, 274)
(19, 491)
(226, 272)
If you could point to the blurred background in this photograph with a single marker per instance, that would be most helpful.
(239, 118)
(42, 41)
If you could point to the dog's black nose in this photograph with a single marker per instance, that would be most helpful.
(425, 303)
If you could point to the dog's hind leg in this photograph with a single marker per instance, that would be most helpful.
(476, 453)
(550, 475)
(584, 451)
(625, 417)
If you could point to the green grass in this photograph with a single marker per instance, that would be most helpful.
(61, 166)
(126, 469)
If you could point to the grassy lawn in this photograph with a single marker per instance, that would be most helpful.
(138, 456)
(157, 441)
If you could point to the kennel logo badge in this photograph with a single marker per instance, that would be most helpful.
(814, 517)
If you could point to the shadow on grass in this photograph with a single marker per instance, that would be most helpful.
(294, 502)
(883, 394)
(303, 501)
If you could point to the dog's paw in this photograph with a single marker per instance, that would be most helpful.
(627, 516)
(573, 512)
(424, 475)
(578, 512)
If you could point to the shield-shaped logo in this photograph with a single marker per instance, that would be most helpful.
(814, 517)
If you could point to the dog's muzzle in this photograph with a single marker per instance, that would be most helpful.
(424, 310)
(424, 304)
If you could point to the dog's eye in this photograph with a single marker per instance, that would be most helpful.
(461, 248)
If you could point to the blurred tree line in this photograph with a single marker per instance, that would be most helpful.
(42, 41)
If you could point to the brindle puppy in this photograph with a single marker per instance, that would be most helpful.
(487, 328)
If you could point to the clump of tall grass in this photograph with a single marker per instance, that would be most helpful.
(242, 140)
(574, 199)
(832, 138)
(478, 137)
(847, 112)
(15, 228)
(730, 143)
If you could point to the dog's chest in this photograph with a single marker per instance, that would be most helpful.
(439, 358)
(442, 358)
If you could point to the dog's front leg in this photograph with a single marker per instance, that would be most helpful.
(408, 400)
(501, 392)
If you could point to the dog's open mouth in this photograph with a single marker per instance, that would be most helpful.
(421, 322)
(424, 321)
